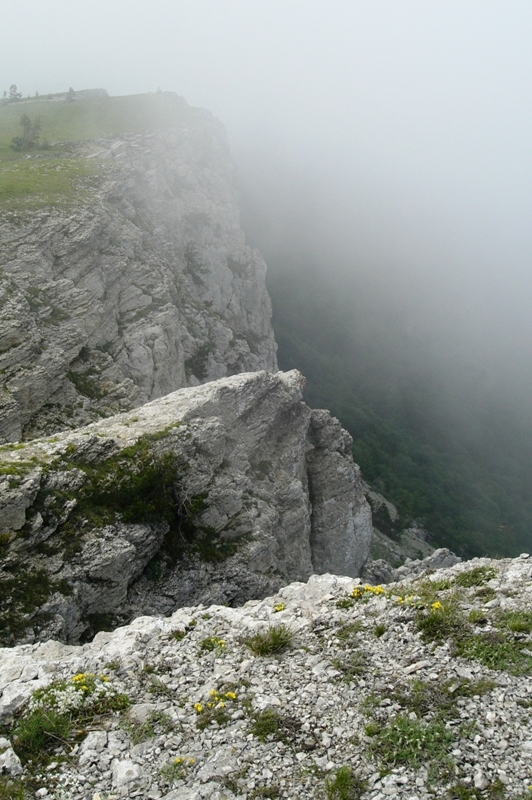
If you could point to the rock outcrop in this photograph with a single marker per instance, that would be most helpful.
(213, 494)
(132, 284)
(374, 693)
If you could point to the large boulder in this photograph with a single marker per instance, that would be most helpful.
(213, 494)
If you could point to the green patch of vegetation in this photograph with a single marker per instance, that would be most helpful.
(517, 621)
(424, 698)
(477, 576)
(87, 383)
(348, 632)
(176, 769)
(380, 630)
(273, 641)
(486, 593)
(345, 602)
(411, 742)
(21, 593)
(13, 788)
(496, 649)
(218, 708)
(271, 792)
(156, 724)
(196, 365)
(440, 624)
(58, 715)
(342, 784)
(462, 791)
(269, 725)
(96, 117)
(352, 666)
(440, 584)
(212, 643)
(53, 180)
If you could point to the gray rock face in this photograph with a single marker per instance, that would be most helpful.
(213, 494)
(139, 285)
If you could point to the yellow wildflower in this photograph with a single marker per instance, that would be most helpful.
(279, 607)
(79, 677)
(178, 760)
(437, 605)
(191, 760)
(198, 707)
(230, 695)
(221, 704)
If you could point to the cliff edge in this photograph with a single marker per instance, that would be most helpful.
(124, 270)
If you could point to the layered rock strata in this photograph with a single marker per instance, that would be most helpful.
(138, 284)
(216, 493)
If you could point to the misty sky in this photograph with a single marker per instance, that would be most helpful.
(398, 131)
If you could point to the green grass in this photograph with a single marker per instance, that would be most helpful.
(496, 649)
(40, 182)
(423, 697)
(343, 785)
(477, 576)
(273, 641)
(268, 725)
(52, 727)
(95, 117)
(13, 789)
(411, 742)
(54, 175)
(352, 666)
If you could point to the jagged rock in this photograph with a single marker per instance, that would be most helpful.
(357, 674)
(440, 559)
(140, 285)
(213, 494)
(380, 571)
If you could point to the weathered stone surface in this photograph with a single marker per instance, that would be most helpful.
(140, 286)
(335, 680)
(245, 488)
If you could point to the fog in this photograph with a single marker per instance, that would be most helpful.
(388, 140)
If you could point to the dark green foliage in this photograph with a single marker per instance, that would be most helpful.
(20, 594)
(36, 735)
(496, 649)
(270, 725)
(343, 785)
(474, 577)
(426, 433)
(197, 364)
(30, 134)
(411, 742)
(13, 789)
(352, 666)
(273, 641)
(428, 697)
(517, 621)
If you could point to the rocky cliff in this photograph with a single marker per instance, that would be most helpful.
(329, 689)
(216, 493)
(124, 271)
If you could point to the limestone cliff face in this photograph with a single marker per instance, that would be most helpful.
(216, 493)
(140, 285)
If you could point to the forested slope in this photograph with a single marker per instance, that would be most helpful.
(434, 434)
